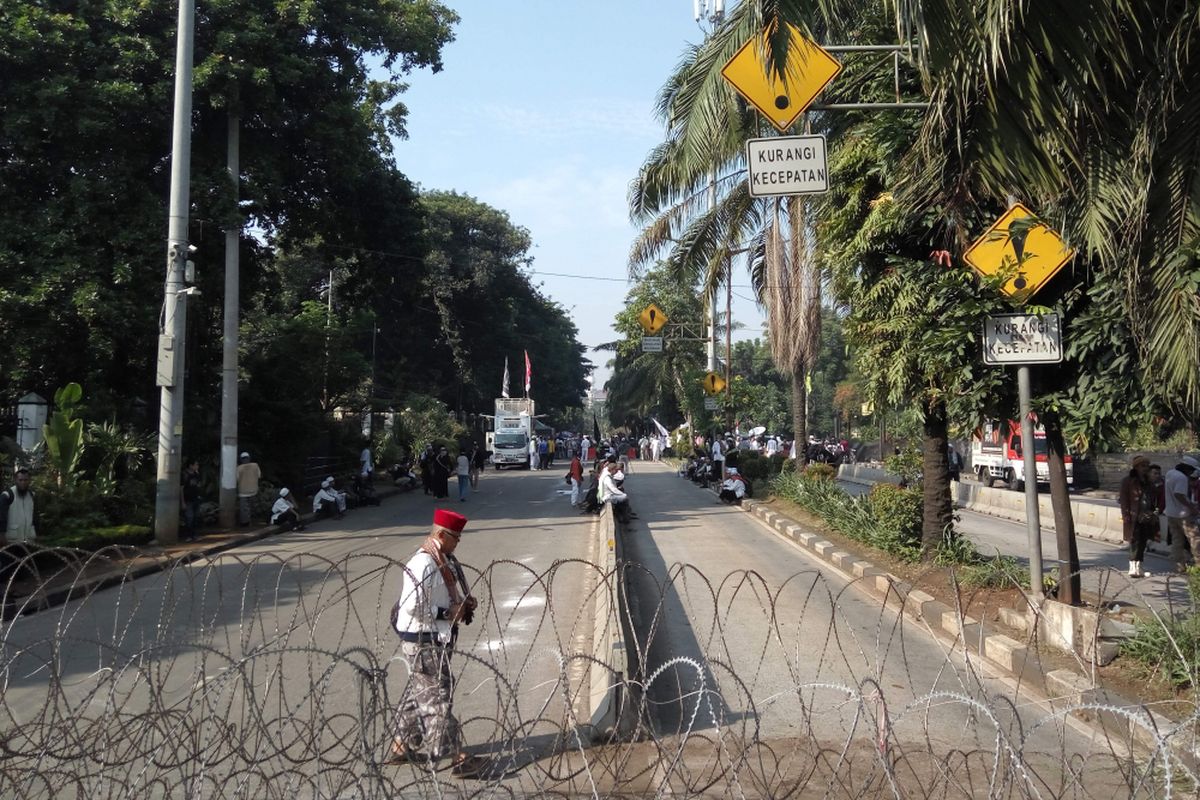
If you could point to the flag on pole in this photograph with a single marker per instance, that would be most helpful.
(528, 374)
(595, 430)
(504, 386)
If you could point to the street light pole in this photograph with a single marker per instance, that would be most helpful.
(229, 346)
(174, 319)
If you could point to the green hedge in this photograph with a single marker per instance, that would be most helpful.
(888, 518)
(98, 538)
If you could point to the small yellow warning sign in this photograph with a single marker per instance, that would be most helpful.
(652, 319)
(714, 383)
(1019, 241)
(781, 99)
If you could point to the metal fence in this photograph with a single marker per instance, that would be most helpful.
(277, 677)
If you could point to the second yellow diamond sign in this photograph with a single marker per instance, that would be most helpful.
(1018, 242)
(781, 99)
(714, 383)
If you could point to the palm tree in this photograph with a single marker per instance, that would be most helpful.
(693, 199)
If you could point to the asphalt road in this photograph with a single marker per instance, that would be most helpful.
(271, 671)
(747, 636)
(279, 655)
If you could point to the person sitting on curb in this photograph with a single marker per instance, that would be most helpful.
(328, 501)
(285, 512)
(733, 488)
(610, 492)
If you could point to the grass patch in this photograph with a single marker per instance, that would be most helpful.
(99, 538)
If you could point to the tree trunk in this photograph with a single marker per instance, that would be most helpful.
(800, 412)
(1064, 519)
(937, 510)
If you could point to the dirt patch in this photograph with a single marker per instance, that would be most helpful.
(1123, 677)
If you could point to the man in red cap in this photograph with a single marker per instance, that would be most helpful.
(432, 603)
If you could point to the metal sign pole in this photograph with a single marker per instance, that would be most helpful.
(1032, 517)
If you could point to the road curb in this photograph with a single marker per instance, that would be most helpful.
(1061, 688)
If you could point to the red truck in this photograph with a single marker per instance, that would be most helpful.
(997, 454)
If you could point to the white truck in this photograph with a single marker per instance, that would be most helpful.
(997, 454)
(512, 428)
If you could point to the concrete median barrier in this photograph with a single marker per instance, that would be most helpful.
(611, 703)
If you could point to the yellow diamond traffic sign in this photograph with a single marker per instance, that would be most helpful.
(714, 383)
(652, 319)
(809, 70)
(1018, 240)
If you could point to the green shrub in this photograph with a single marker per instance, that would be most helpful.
(897, 516)
(907, 466)
(819, 471)
(1169, 647)
(1001, 572)
(97, 538)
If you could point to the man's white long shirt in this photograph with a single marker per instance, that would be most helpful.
(423, 594)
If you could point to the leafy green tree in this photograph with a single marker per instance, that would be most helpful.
(665, 384)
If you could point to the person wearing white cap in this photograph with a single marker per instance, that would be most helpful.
(329, 501)
(1182, 511)
(285, 512)
(248, 476)
(733, 488)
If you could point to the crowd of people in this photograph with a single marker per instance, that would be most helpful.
(1154, 504)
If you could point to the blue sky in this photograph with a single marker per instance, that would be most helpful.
(545, 109)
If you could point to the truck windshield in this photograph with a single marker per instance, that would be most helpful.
(510, 440)
(1040, 448)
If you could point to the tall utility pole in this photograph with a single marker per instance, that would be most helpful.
(712, 11)
(229, 345)
(173, 329)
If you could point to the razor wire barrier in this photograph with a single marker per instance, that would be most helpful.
(277, 676)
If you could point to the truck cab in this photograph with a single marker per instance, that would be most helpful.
(997, 454)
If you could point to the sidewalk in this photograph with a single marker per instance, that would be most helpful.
(100, 572)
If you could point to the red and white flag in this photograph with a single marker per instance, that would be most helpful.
(528, 374)
(504, 386)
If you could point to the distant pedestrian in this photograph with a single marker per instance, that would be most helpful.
(248, 476)
(1182, 511)
(17, 528)
(17, 510)
(533, 453)
(433, 601)
(575, 478)
(190, 500)
(1138, 517)
(954, 462)
(442, 467)
(463, 471)
(366, 463)
(478, 459)
(426, 463)
(285, 512)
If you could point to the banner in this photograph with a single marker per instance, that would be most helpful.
(504, 386)
(528, 374)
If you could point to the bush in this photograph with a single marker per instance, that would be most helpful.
(907, 466)
(1169, 647)
(98, 538)
(858, 518)
(818, 471)
(897, 515)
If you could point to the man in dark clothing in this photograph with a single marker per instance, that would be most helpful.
(191, 500)
(442, 468)
(426, 464)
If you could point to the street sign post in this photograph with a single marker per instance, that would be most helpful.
(787, 165)
(1018, 240)
(652, 319)
(710, 404)
(781, 99)
(1022, 339)
(652, 344)
(714, 384)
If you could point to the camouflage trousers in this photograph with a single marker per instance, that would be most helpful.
(425, 722)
